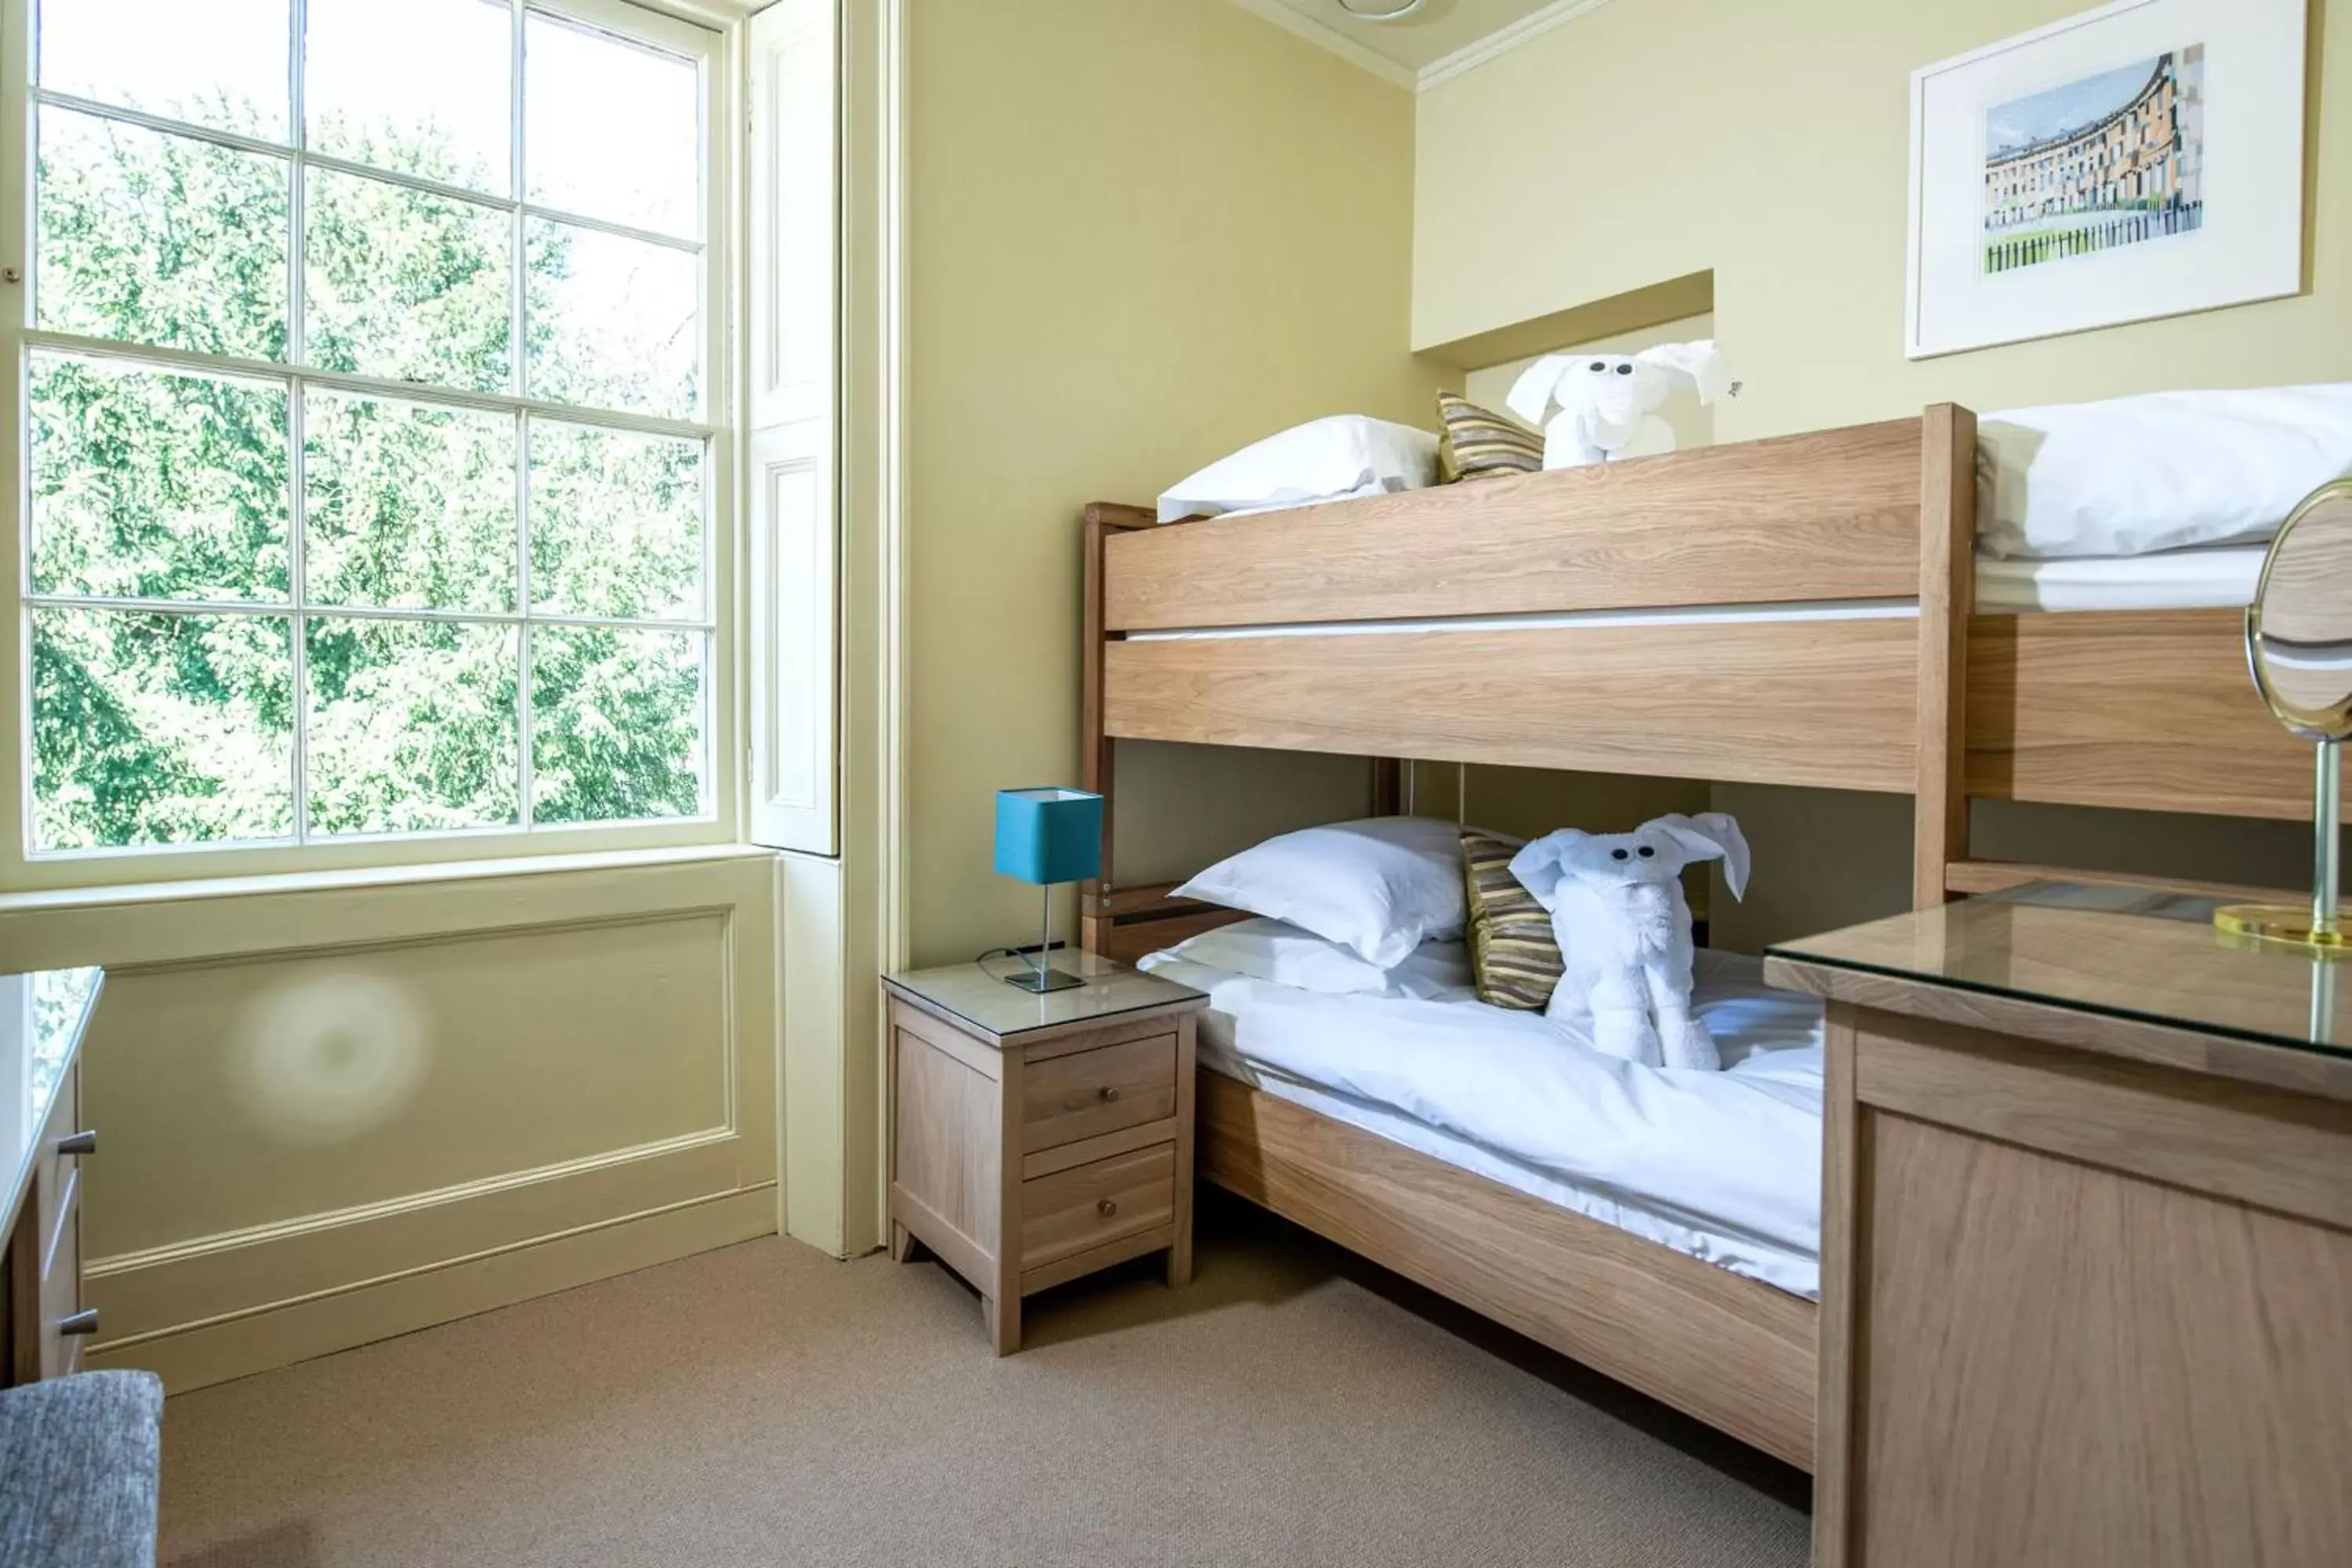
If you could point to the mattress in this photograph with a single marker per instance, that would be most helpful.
(1721, 1166)
(2220, 578)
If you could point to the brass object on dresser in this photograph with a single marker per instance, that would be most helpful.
(43, 1142)
(2086, 1239)
(2299, 647)
(1035, 1139)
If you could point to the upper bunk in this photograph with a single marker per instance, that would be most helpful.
(1791, 611)
(1746, 613)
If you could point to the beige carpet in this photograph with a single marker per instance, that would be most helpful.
(764, 1404)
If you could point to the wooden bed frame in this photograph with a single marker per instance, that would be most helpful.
(1496, 656)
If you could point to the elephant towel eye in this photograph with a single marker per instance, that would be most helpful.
(1624, 370)
(1597, 366)
(1616, 854)
(1645, 852)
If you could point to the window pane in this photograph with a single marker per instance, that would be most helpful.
(408, 285)
(616, 723)
(214, 62)
(615, 524)
(148, 485)
(159, 239)
(160, 728)
(408, 505)
(613, 321)
(423, 87)
(610, 130)
(412, 726)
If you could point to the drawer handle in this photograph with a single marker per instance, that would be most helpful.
(82, 1143)
(81, 1323)
(1104, 1208)
(1109, 1092)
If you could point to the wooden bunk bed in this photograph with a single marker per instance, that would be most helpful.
(1810, 597)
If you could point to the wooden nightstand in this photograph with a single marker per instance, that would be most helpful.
(1035, 1139)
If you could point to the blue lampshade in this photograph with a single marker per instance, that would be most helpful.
(1049, 835)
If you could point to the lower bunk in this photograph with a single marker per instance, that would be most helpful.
(1732, 1352)
(1662, 1228)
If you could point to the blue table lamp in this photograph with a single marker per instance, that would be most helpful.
(1048, 836)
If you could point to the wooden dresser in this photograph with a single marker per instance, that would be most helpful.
(1036, 1139)
(43, 1140)
(2087, 1253)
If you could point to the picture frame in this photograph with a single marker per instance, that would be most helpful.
(2142, 160)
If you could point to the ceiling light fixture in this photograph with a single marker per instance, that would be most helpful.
(1379, 10)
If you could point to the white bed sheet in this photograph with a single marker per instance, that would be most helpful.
(1725, 1167)
(2215, 579)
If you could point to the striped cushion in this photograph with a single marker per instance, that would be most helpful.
(1480, 443)
(1511, 948)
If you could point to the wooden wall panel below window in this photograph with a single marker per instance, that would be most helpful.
(1830, 704)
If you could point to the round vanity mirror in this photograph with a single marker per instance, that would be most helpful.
(2299, 628)
(2299, 646)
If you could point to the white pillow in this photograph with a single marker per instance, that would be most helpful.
(1379, 888)
(1331, 459)
(2161, 471)
(1282, 954)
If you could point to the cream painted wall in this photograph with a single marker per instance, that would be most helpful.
(1141, 237)
(1768, 144)
(1771, 150)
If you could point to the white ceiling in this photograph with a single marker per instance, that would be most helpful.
(1442, 32)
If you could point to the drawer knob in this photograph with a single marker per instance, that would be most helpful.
(81, 1323)
(1104, 1208)
(82, 1143)
(1109, 1092)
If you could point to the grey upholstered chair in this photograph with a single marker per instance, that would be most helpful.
(79, 1462)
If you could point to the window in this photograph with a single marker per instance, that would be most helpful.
(366, 417)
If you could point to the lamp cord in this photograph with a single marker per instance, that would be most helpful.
(981, 960)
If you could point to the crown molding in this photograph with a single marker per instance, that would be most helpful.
(1332, 39)
(1503, 40)
(1468, 58)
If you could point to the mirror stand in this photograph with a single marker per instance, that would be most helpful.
(2299, 652)
(2319, 928)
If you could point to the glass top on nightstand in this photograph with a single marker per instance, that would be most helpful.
(2122, 952)
(980, 997)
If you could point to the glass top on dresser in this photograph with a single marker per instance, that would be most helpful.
(42, 1015)
(980, 996)
(2122, 952)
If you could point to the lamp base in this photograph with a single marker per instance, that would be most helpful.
(1050, 979)
(2282, 925)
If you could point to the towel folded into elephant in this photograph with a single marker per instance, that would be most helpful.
(1608, 403)
(1624, 930)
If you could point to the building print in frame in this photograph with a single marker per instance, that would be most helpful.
(2108, 160)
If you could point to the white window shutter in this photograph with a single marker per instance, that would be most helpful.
(791, 493)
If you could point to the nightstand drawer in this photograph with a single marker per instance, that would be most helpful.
(1087, 1205)
(1088, 1093)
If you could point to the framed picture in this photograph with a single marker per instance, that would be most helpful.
(2141, 160)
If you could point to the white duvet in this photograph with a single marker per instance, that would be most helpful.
(1724, 1165)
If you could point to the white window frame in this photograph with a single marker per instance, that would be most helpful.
(22, 869)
